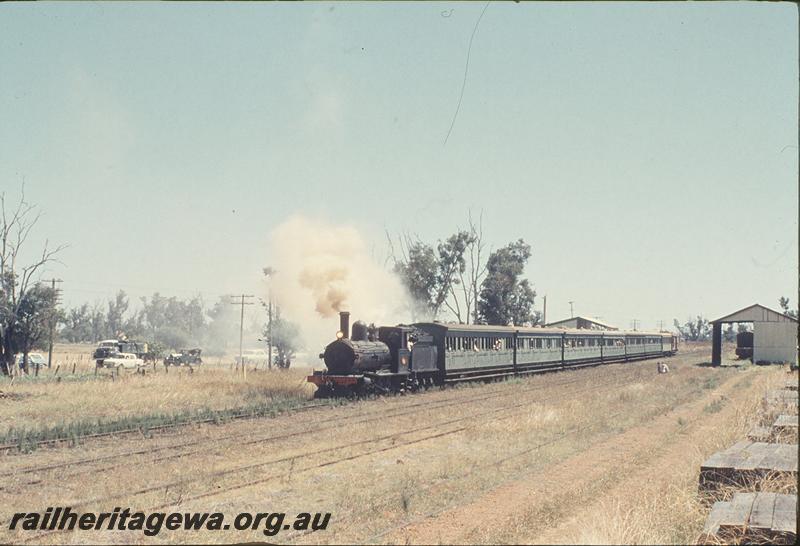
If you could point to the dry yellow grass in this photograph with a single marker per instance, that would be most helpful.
(45, 402)
(661, 505)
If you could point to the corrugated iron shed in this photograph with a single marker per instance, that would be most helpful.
(774, 334)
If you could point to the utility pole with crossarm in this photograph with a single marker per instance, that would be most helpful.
(241, 327)
(56, 294)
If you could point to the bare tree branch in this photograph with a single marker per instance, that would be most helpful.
(18, 222)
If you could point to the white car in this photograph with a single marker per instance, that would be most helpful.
(256, 357)
(123, 360)
(34, 359)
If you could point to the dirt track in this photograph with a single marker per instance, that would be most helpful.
(499, 462)
(554, 505)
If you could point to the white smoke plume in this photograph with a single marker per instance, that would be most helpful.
(321, 269)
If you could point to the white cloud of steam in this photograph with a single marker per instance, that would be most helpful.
(322, 269)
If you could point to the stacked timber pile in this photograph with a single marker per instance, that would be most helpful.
(783, 431)
(760, 518)
(746, 464)
(754, 482)
(780, 401)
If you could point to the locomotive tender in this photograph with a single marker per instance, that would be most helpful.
(408, 357)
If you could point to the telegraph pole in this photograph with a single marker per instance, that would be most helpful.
(660, 325)
(241, 328)
(634, 323)
(56, 294)
(269, 332)
(544, 312)
(269, 272)
(571, 313)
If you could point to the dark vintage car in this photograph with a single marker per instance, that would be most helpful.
(184, 357)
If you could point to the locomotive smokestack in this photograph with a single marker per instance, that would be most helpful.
(344, 324)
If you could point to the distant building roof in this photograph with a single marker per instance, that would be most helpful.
(587, 322)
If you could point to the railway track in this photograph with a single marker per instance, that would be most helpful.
(370, 416)
(428, 487)
(429, 432)
(655, 411)
(15, 445)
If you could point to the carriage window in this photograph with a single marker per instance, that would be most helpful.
(558, 343)
(591, 343)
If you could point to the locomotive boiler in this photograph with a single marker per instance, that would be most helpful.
(358, 353)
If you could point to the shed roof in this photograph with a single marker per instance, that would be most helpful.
(755, 313)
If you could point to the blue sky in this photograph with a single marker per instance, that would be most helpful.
(647, 152)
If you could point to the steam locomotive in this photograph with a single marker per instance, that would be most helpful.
(409, 357)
